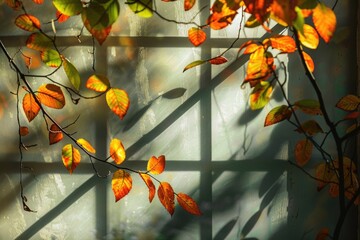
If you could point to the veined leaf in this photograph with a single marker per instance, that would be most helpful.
(156, 165)
(166, 196)
(55, 134)
(30, 107)
(349, 103)
(23, 130)
(149, 183)
(121, 184)
(309, 38)
(309, 106)
(143, 8)
(72, 74)
(309, 62)
(277, 114)
(51, 58)
(260, 66)
(28, 22)
(188, 4)
(218, 60)
(194, 64)
(39, 41)
(86, 145)
(188, 204)
(68, 7)
(118, 101)
(98, 83)
(196, 36)
(311, 127)
(324, 21)
(303, 151)
(117, 151)
(51, 95)
(223, 13)
(71, 157)
(285, 44)
(260, 95)
(250, 47)
(324, 172)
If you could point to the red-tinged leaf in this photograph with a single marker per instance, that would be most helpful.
(98, 83)
(118, 101)
(14, 4)
(323, 234)
(196, 36)
(30, 107)
(166, 196)
(259, 9)
(250, 47)
(121, 184)
(51, 95)
(72, 74)
(61, 17)
(352, 115)
(218, 60)
(303, 151)
(260, 66)
(310, 127)
(324, 20)
(86, 145)
(68, 7)
(194, 64)
(28, 22)
(149, 183)
(71, 157)
(309, 62)
(260, 95)
(223, 14)
(156, 165)
(117, 151)
(324, 173)
(188, 4)
(23, 131)
(309, 38)
(39, 41)
(38, 1)
(284, 10)
(51, 58)
(349, 103)
(277, 114)
(285, 44)
(309, 106)
(188, 204)
(55, 134)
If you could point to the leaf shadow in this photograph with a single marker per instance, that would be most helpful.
(225, 230)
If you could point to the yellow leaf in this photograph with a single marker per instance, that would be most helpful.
(71, 157)
(27, 22)
(324, 20)
(51, 95)
(285, 44)
(121, 184)
(117, 151)
(98, 83)
(85, 144)
(118, 101)
(310, 38)
(156, 165)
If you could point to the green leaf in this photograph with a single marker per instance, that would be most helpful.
(309, 106)
(194, 64)
(28, 22)
(277, 114)
(72, 74)
(143, 8)
(39, 41)
(260, 95)
(98, 83)
(68, 7)
(71, 157)
(311, 127)
(51, 58)
(299, 21)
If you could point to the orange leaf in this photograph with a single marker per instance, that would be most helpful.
(117, 151)
(61, 17)
(284, 10)
(310, 38)
(309, 62)
(250, 47)
(285, 44)
(118, 101)
(27, 22)
(121, 184)
(196, 36)
(188, 204)
(86, 145)
(188, 4)
(222, 14)
(259, 9)
(39, 41)
(38, 1)
(218, 60)
(31, 108)
(51, 95)
(352, 115)
(156, 165)
(14, 4)
(98, 83)
(71, 157)
(55, 134)
(349, 103)
(149, 183)
(166, 197)
(325, 21)
(277, 114)
(323, 234)
(23, 131)
(303, 151)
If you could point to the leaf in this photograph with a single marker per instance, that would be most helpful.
(303, 151)
(174, 93)
(30, 107)
(68, 7)
(118, 101)
(39, 41)
(311, 127)
(71, 157)
(309, 106)
(309, 38)
(14, 4)
(143, 8)
(98, 83)
(260, 66)
(51, 95)
(55, 134)
(277, 114)
(72, 74)
(23, 131)
(309, 62)
(284, 10)
(323, 234)
(61, 17)
(285, 44)
(260, 9)
(117, 151)
(121, 184)
(324, 173)
(194, 64)
(27, 22)
(38, 1)
(51, 58)
(218, 60)
(188, 4)
(223, 13)
(196, 36)
(348, 103)
(260, 96)
(252, 22)
(166, 197)
(352, 115)
(149, 183)
(299, 21)
(156, 165)
(188, 204)
(250, 47)
(86, 145)
(324, 20)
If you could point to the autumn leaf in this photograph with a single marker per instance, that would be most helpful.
(260, 65)
(55, 134)
(285, 44)
(259, 9)
(71, 157)
(23, 131)
(166, 197)
(61, 17)
(277, 115)
(309, 62)
(303, 151)
(324, 20)
(252, 22)
(39, 41)
(352, 115)
(30, 107)
(118, 101)
(222, 13)
(38, 1)
(117, 151)
(121, 184)
(323, 234)
(68, 7)
(250, 47)
(310, 127)
(218, 60)
(14, 4)
(149, 183)
(324, 173)
(156, 165)
(284, 10)
(142, 8)
(348, 103)
(28, 22)
(72, 74)
(188, 4)
(194, 64)
(86, 145)
(260, 96)
(98, 83)
(309, 106)
(188, 204)
(196, 36)
(51, 95)
(51, 58)
(309, 38)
